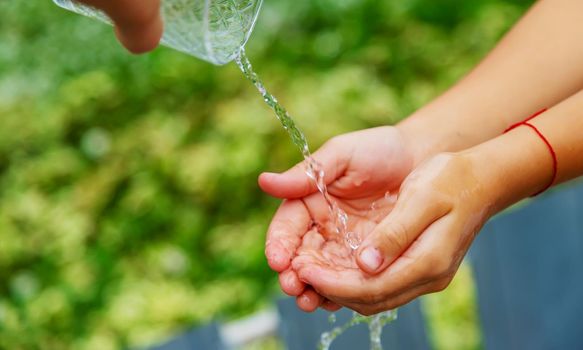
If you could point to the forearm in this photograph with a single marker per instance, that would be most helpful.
(538, 64)
(518, 164)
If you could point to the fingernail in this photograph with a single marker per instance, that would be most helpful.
(371, 258)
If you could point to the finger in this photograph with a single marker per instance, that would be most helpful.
(397, 301)
(284, 236)
(320, 214)
(290, 283)
(426, 260)
(138, 23)
(432, 256)
(330, 306)
(426, 267)
(345, 287)
(333, 158)
(335, 283)
(309, 301)
(414, 211)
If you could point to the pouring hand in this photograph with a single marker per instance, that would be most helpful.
(138, 24)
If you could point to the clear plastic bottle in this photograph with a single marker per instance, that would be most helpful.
(213, 30)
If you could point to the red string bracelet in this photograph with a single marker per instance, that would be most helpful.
(549, 146)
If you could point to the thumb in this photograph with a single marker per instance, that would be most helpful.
(332, 158)
(138, 23)
(393, 236)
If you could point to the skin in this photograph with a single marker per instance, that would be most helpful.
(427, 203)
(500, 91)
(546, 41)
(441, 207)
(535, 66)
(138, 23)
(356, 177)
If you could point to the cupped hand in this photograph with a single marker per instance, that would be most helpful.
(416, 249)
(360, 169)
(138, 23)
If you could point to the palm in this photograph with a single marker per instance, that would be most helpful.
(362, 184)
(359, 174)
(325, 243)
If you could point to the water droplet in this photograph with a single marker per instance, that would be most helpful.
(353, 240)
(315, 172)
(325, 341)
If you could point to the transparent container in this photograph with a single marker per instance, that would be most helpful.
(213, 30)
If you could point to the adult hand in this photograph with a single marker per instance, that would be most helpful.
(415, 250)
(360, 168)
(138, 24)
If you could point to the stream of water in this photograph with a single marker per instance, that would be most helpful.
(313, 168)
(315, 172)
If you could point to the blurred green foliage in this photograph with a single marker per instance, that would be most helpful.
(128, 203)
(452, 315)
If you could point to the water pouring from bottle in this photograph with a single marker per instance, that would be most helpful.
(217, 31)
(315, 172)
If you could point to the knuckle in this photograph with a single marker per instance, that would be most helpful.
(355, 308)
(418, 190)
(376, 294)
(441, 285)
(336, 140)
(421, 190)
(396, 303)
(146, 15)
(445, 157)
(366, 299)
(367, 311)
(284, 227)
(396, 236)
(412, 184)
(436, 265)
(373, 299)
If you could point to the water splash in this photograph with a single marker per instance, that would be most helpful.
(297, 136)
(375, 325)
(315, 172)
(313, 168)
(353, 240)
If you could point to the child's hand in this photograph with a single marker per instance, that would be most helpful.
(138, 24)
(415, 250)
(360, 169)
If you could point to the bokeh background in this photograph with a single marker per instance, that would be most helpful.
(129, 209)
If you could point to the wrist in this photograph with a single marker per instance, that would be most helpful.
(421, 142)
(512, 166)
(461, 118)
(446, 126)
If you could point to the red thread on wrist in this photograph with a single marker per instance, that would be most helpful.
(549, 146)
(514, 126)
